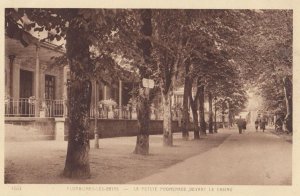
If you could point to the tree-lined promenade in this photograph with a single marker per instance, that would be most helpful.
(217, 55)
(226, 158)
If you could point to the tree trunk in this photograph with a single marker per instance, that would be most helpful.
(210, 121)
(229, 116)
(216, 125)
(185, 111)
(193, 104)
(288, 89)
(143, 117)
(201, 111)
(79, 99)
(77, 161)
(223, 118)
(195, 123)
(143, 102)
(167, 120)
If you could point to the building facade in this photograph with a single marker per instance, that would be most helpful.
(36, 88)
(30, 82)
(36, 93)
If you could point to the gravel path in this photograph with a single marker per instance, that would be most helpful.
(251, 158)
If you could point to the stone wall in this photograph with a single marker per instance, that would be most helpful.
(108, 128)
(27, 129)
(57, 128)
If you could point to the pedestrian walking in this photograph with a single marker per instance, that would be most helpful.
(256, 124)
(244, 125)
(278, 125)
(240, 124)
(263, 125)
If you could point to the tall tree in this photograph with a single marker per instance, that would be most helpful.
(201, 110)
(79, 96)
(210, 121)
(143, 103)
(133, 41)
(168, 42)
(185, 104)
(194, 102)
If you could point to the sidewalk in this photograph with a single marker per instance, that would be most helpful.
(41, 162)
(251, 158)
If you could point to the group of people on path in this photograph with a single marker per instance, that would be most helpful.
(261, 123)
(241, 124)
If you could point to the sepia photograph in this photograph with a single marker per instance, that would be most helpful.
(157, 99)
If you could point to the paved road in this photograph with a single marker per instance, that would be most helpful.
(251, 158)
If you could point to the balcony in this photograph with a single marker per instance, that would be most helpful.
(25, 107)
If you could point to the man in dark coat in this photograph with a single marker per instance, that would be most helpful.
(240, 123)
(263, 125)
(256, 124)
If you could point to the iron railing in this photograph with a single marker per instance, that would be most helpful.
(20, 107)
(25, 107)
(53, 108)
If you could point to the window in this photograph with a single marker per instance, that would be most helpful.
(49, 87)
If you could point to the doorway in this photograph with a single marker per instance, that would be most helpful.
(26, 83)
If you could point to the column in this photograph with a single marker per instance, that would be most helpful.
(16, 79)
(104, 94)
(37, 82)
(65, 89)
(120, 98)
(11, 74)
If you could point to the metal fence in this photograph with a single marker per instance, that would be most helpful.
(53, 108)
(25, 107)
(21, 107)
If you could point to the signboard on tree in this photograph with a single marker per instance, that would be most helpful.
(148, 83)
